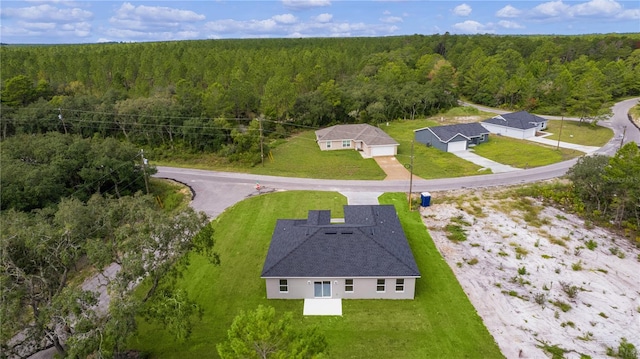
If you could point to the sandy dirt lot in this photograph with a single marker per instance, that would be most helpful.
(539, 276)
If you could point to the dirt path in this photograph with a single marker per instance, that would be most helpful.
(514, 270)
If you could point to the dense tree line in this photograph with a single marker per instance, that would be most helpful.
(607, 188)
(43, 253)
(72, 207)
(39, 170)
(206, 95)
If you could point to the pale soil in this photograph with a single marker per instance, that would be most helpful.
(605, 308)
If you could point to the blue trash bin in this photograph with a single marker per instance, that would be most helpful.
(425, 199)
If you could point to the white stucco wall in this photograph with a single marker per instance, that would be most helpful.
(364, 288)
(509, 131)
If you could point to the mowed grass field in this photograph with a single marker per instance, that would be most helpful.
(579, 133)
(439, 323)
(522, 153)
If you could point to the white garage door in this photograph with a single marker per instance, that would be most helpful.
(457, 146)
(383, 151)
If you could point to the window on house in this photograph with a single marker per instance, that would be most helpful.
(284, 286)
(346, 143)
(380, 287)
(348, 285)
(400, 285)
(328, 144)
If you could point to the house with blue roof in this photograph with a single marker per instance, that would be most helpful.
(452, 138)
(519, 124)
(367, 256)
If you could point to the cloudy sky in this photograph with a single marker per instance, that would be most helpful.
(76, 21)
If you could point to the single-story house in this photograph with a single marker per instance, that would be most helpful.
(519, 124)
(366, 257)
(452, 138)
(372, 141)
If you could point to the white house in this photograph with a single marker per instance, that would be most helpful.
(519, 124)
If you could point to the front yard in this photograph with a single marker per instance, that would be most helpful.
(522, 153)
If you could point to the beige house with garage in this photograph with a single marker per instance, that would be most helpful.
(369, 140)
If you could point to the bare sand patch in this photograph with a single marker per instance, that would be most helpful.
(537, 275)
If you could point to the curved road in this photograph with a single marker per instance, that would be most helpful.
(215, 191)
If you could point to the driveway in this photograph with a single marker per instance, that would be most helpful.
(554, 143)
(393, 168)
(495, 167)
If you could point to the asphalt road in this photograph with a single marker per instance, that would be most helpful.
(215, 191)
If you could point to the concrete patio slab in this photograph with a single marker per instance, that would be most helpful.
(322, 306)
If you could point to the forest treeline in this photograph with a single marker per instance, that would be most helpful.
(206, 95)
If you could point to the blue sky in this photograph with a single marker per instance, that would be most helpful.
(71, 21)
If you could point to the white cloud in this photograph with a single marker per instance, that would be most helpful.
(48, 13)
(250, 27)
(596, 7)
(509, 25)
(633, 14)
(551, 9)
(142, 23)
(323, 17)
(38, 26)
(285, 19)
(472, 27)
(156, 13)
(391, 19)
(305, 4)
(319, 26)
(602, 9)
(509, 12)
(462, 10)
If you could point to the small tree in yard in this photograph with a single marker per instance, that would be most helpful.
(259, 334)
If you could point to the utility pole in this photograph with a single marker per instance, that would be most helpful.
(624, 132)
(411, 178)
(62, 119)
(560, 134)
(144, 169)
(261, 141)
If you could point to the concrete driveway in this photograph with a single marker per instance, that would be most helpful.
(495, 167)
(554, 143)
(393, 168)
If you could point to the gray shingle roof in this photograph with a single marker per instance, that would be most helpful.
(522, 120)
(371, 243)
(372, 136)
(448, 132)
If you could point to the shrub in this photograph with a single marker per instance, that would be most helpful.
(577, 266)
(570, 290)
(564, 306)
(591, 244)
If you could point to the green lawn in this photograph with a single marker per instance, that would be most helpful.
(298, 156)
(521, 153)
(439, 323)
(579, 133)
(428, 162)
